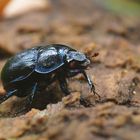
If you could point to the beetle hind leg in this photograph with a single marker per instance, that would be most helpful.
(8, 95)
(30, 100)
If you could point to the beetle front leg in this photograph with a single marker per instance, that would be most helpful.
(72, 73)
(90, 83)
(64, 88)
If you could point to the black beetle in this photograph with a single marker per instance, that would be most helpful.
(24, 72)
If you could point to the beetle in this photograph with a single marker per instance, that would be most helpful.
(23, 73)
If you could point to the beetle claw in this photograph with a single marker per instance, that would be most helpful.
(95, 93)
(84, 102)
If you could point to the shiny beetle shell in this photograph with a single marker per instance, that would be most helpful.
(23, 73)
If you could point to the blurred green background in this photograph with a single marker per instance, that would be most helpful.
(128, 7)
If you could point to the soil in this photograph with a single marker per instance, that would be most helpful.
(115, 72)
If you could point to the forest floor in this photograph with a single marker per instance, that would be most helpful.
(115, 72)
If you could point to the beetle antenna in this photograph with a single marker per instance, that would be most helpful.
(93, 55)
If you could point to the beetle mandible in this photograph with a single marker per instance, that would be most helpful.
(23, 73)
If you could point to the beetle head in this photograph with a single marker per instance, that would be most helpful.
(77, 60)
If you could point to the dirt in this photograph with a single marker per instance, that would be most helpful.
(115, 72)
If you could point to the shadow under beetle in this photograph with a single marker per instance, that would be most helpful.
(24, 72)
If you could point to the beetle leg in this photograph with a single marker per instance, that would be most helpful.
(31, 96)
(92, 87)
(30, 99)
(8, 95)
(64, 86)
(84, 102)
(72, 73)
